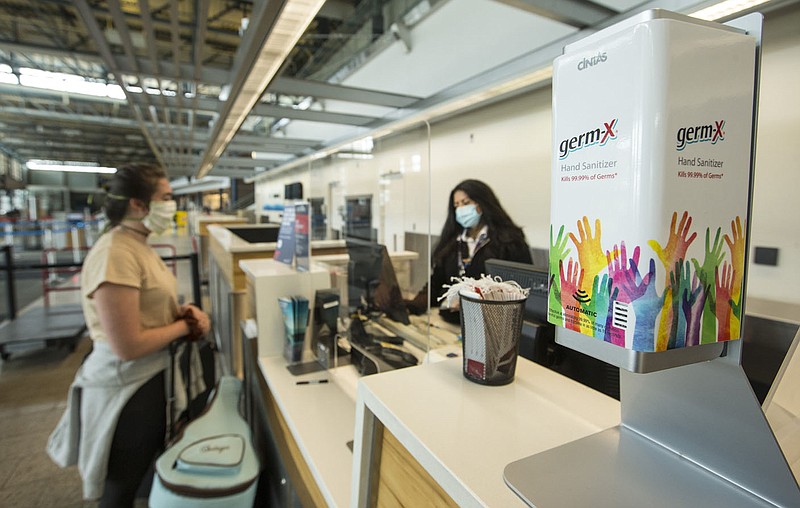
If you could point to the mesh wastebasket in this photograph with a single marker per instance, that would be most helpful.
(490, 330)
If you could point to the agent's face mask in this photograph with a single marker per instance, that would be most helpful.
(159, 218)
(468, 216)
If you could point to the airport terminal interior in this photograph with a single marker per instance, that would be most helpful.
(323, 155)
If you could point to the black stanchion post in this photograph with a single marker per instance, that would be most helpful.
(9, 268)
(196, 279)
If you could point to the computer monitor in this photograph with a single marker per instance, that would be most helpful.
(371, 281)
(527, 276)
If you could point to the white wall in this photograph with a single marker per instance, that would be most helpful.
(776, 204)
(508, 145)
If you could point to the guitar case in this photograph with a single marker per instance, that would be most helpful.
(212, 464)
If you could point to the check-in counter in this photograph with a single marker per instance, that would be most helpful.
(420, 436)
(227, 282)
(199, 224)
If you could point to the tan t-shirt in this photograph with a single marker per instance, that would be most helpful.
(120, 258)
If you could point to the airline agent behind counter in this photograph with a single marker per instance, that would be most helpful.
(477, 228)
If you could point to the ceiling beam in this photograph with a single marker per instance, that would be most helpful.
(26, 146)
(197, 58)
(235, 146)
(105, 51)
(251, 142)
(164, 69)
(123, 123)
(243, 137)
(55, 95)
(577, 13)
(310, 115)
(320, 90)
(201, 105)
(239, 162)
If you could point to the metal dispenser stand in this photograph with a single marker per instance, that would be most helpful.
(692, 431)
(692, 435)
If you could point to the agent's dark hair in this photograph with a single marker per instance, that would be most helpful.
(138, 181)
(502, 230)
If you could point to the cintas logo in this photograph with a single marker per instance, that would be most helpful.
(700, 134)
(599, 58)
(599, 136)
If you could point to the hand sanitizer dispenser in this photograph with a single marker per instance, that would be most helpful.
(652, 127)
(652, 149)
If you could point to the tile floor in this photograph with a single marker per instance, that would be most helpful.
(33, 393)
(33, 389)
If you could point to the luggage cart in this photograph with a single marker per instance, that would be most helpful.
(40, 327)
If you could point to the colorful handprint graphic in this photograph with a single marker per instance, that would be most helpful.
(677, 243)
(598, 308)
(692, 304)
(705, 272)
(680, 280)
(736, 245)
(570, 283)
(722, 304)
(558, 253)
(645, 302)
(603, 293)
(590, 252)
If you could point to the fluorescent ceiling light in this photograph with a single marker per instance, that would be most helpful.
(8, 78)
(71, 167)
(725, 9)
(292, 21)
(270, 156)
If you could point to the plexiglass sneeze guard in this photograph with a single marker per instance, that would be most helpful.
(692, 431)
(371, 196)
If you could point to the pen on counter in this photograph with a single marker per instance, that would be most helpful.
(312, 382)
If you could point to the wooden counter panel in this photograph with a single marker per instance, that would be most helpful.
(229, 262)
(202, 225)
(324, 251)
(403, 481)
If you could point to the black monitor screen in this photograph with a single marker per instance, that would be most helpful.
(293, 191)
(326, 314)
(371, 281)
(527, 276)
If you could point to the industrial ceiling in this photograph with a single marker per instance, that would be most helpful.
(239, 87)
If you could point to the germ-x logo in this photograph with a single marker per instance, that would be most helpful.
(599, 136)
(700, 134)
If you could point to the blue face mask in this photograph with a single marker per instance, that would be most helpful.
(468, 216)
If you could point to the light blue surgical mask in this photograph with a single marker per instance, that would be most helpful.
(468, 216)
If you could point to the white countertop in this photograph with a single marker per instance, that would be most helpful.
(233, 243)
(464, 434)
(268, 267)
(195, 218)
(770, 309)
(342, 259)
(321, 418)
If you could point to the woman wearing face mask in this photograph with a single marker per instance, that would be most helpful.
(115, 422)
(477, 228)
